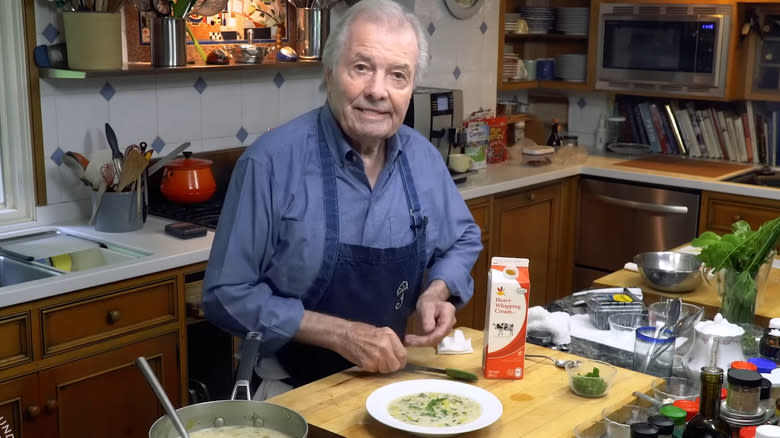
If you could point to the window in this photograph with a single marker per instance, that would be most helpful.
(17, 194)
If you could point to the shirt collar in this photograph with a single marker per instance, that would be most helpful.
(338, 144)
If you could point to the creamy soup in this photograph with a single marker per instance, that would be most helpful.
(434, 409)
(238, 432)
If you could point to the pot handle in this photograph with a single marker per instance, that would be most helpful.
(246, 366)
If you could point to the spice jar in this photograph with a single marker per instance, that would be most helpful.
(765, 400)
(676, 414)
(643, 430)
(744, 388)
(665, 425)
(743, 365)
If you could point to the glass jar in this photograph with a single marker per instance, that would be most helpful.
(744, 391)
(664, 424)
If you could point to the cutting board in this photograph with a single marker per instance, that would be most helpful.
(539, 405)
(686, 166)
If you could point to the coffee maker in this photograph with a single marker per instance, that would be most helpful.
(437, 113)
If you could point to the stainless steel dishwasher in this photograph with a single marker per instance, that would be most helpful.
(619, 219)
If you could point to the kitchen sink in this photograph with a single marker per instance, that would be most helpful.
(14, 271)
(758, 177)
(56, 252)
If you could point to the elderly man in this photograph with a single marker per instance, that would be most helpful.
(342, 222)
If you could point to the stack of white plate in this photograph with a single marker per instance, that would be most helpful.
(511, 64)
(510, 22)
(540, 20)
(572, 21)
(571, 67)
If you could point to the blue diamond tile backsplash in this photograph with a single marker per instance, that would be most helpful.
(223, 109)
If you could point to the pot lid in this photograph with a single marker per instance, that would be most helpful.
(188, 163)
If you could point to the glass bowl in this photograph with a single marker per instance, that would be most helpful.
(627, 322)
(584, 382)
(669, 389)
(618, 419)
(590, 429)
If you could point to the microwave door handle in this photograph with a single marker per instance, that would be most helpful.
(644, 206)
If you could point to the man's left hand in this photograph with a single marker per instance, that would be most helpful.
(435, 314)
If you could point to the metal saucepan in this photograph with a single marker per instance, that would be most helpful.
(236, 412)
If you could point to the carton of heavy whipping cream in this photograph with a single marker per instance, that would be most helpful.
(509, 284)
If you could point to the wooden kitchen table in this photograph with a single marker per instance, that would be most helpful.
(539, 405)
(767, 307)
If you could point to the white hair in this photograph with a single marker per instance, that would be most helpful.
(379, 11)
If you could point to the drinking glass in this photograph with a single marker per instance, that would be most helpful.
(653, 352)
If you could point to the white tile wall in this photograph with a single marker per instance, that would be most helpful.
(167, 106)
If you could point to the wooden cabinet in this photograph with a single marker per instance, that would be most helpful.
(763, 52)
(473, 313)
(537, 224)
(67, 363)
(20, 413)
(106, 395)
(537, 46)
(720, 210)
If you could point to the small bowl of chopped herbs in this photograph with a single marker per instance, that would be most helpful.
(590, 378)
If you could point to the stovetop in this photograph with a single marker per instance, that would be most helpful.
(205, 213)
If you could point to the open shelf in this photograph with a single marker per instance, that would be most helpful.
(146, 68)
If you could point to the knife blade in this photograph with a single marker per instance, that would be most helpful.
(164, 160)
(449, 372)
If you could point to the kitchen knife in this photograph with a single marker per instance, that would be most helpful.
(164, 160)
(450, 372)
(116, 155)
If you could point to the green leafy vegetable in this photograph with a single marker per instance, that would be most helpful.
(744, 250)
(590, 384)
(741, 254)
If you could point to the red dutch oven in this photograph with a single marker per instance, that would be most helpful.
(188, 180)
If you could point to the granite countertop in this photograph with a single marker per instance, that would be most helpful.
(166, 252)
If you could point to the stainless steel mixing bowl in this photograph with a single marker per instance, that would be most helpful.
(669, 271)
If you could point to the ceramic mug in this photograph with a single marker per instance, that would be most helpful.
(545, 69)
(530, 66)
(460, 162)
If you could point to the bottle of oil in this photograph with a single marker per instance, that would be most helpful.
(707, 423)
(555, 133)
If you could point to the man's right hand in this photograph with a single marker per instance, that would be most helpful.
(374, 349)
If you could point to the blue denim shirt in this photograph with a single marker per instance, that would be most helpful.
(269, 242)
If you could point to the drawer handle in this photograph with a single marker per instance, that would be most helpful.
(33, 411)
(51, 406)
(113, 316)
(736, 218)
(532, 196)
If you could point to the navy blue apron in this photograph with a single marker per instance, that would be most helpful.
(377, 286)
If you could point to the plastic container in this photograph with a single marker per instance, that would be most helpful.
(537, 155)
(602, 305)
(763, 365)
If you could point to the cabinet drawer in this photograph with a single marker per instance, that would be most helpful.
(722, 213)
(15, 340)
(95, 319)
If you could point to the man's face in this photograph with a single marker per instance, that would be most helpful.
(370, 86)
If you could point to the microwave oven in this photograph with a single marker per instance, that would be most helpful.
(663, 48)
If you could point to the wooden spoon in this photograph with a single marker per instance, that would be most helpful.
(132, 168)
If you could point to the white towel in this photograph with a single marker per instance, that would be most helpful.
(455, 344)
(556, 323)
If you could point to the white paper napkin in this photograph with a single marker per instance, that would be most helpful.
(455, 344)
